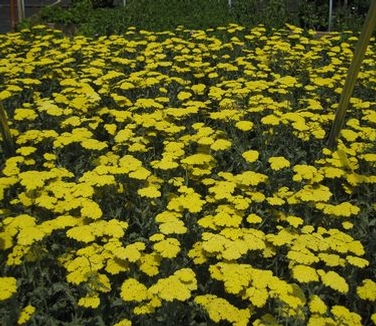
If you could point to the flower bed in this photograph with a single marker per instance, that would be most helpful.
(181, 178)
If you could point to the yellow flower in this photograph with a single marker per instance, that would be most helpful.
(275, 201)
(266, 319)
(345, 316)
(331, 260)
(149, 192)
(369, 157)
(123, 322)
(183, 95)
(166, 163)
(278, 163)
(50, 108)
(257, 296)
(32, 180)
(373, 318)
(198, 88)
(132, 251)
(91, 209)
(46, 201)
(167, 248)
(271, 120)
(304, 172)
(149, 307)
(236, 277)
(344, 209)
(251, 155)
(82, 190)
(25, 114)
(99, 282)
(220, 309)
(11, 166)
(126, 85)
(149, 264)
(124, 135)
(349, 135)
(281, 238)
(220, 145)
(304, 274)
(222, 189)
(89, 301)
(8, 287)
(175, 287)
(317, 305)
(82, 233)
(140, 174)
(129, 163)
(148, 103)
(190, 201)
(320, 193)
(294, 221)
(250, 178)
(25, 315)
(318, 320)
(254, 219)
(367, 291)
(29, 235)
(347, 225)
(111, 128)
(332, 172)
(198, 159)
(114, 266)
(133, 290)
(357, 261)
(4, 95)
(93, 144)
(302, 256)
(333, 280)
(244, 125)
(170, 223)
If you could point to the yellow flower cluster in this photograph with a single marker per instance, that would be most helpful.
(178, 286)
(187, 167)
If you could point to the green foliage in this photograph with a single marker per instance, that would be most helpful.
(77, 14)
(97, 17)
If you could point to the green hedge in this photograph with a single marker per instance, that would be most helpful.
(97, 17)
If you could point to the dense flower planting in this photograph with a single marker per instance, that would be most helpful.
(182, 178)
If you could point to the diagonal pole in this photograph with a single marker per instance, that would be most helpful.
(8, 145)
(352, 74)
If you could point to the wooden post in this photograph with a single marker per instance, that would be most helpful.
(13, 17)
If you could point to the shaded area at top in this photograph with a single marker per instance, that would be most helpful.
(31, 8)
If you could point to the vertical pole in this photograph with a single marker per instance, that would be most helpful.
(13, 18)
(330, 15)
(21, 9)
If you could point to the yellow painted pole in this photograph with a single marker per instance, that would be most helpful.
(360, 50)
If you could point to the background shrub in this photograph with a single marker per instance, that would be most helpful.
(102, 17)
